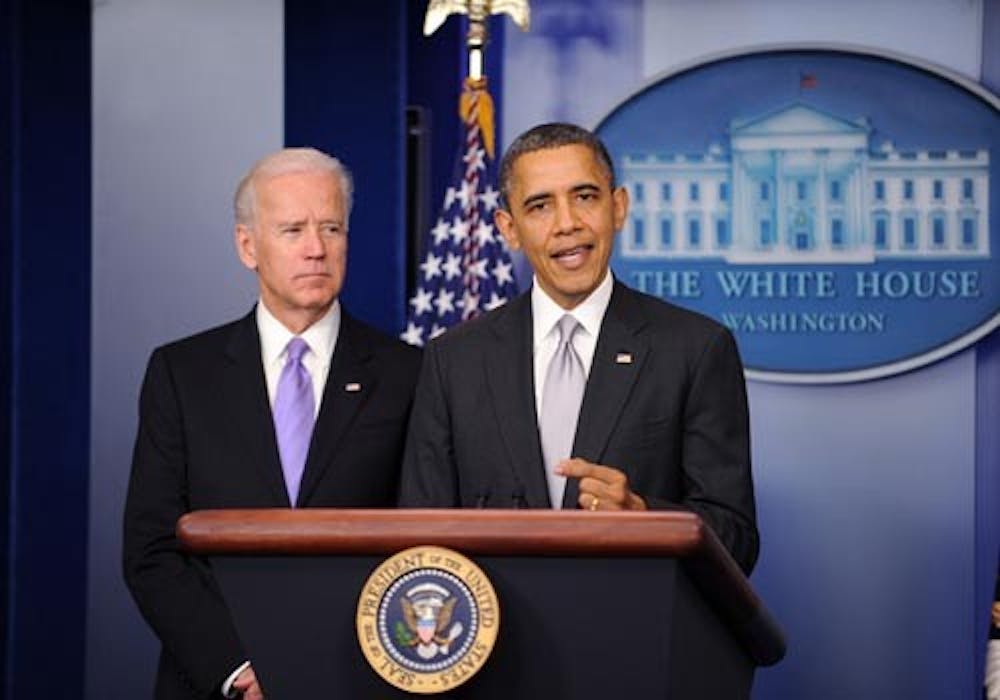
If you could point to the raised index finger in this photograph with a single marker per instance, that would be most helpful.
(580, 468)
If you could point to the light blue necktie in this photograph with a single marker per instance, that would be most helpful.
(294, 414)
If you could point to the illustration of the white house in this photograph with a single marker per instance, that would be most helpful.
(799, 185)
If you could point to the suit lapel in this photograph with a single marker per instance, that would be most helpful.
(349, 385)
(509, 371)
(251, 411)
(618, 360)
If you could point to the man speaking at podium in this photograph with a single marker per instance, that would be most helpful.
(296, 404)
(582, 392)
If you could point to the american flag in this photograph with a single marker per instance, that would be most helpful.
(466, 270)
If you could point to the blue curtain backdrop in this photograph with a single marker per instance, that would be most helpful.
(45, 356)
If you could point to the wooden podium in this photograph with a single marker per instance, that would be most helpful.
(592, 605)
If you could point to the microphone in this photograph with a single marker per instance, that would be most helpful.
(482, 497)
(518, 496)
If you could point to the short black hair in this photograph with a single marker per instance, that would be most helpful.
(545, 136)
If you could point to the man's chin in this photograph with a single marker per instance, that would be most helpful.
(316, 302)
(578, 285)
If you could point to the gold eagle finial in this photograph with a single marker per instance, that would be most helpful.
(478, 10)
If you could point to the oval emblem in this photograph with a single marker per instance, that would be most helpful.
(837, 211)
(427, 619)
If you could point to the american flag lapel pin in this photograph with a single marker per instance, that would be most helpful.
(352, 387)
(623, 358)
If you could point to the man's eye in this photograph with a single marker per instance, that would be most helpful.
(291, 231)
(330, 230)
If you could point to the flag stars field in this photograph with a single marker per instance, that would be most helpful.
(445, 301)
(421, 302)
(466, 268)
(452, 267)
(440, 232)
(431, 267)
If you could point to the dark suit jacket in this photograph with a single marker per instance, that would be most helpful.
(206, 440)
(665, 403)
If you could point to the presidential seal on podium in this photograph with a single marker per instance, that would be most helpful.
(427, 619)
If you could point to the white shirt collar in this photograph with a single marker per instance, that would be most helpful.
(320, 336)
(545, 312)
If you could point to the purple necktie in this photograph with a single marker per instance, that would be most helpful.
(294, 416)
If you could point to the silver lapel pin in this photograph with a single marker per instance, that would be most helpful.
(623, 358)
(352, 387)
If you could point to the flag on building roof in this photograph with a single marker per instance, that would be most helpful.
(466, 269)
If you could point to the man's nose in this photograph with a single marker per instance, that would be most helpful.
(566, 219)
(312, 242)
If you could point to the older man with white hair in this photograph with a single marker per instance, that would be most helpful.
(296, 404)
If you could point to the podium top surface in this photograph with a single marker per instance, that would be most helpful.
(494, 532)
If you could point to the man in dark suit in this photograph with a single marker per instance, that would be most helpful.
(647, 398)
(340, 392)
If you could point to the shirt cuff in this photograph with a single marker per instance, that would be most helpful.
(992, 682)
(227, 687)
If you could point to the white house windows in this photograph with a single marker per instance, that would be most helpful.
(638, 232)
(722, 233)
(908, 190)
(880, 226)
(665, 192)
(879, 190)
(694, 192)
(909, 230)
(667, 232)
(766, 231)
(837, 232)
(968, 228)
(802, 238)
(938, 190)
(836, 191)
(694, 231)
(938, 229)
(967, 189)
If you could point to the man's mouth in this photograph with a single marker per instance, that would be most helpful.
(574, 257)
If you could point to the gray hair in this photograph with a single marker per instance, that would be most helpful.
(543, 137)
(283, 162)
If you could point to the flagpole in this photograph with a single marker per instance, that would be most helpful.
(466, 269)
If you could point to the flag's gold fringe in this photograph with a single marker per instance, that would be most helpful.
(476, 97)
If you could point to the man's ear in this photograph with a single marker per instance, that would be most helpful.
(246, 246)
(505, 222)
(620, 201)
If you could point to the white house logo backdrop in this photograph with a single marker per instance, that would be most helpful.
(836, 211)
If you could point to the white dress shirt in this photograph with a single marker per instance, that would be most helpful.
(545, 314)
(321, 337)
(992, 683)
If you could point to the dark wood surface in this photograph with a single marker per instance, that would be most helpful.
(676, 534)
(502, 532)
